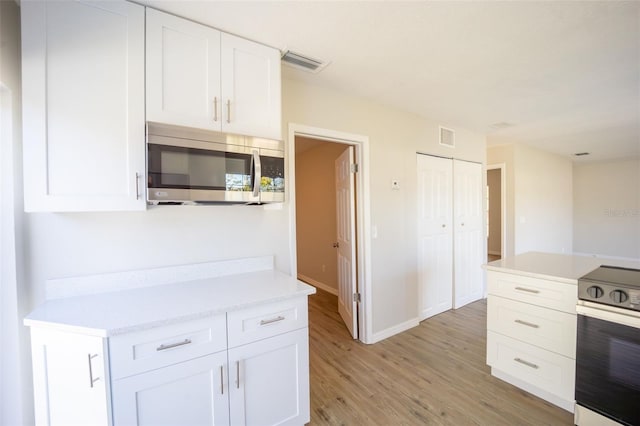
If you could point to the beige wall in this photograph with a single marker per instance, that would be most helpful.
(606, 210)
(539, 199)
(505, 154)
(543, 204)
(394, 138)
(494, 241)
(316, 213)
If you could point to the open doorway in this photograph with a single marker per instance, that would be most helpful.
(329, 215)
(325, 222)
(496, 212)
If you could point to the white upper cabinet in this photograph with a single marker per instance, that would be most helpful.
(200, 77)
(83, 105)
(183, 72)
(251, 88)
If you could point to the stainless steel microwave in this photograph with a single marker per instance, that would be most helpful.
(195, 166)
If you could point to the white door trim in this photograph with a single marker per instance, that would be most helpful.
(363, 212)
(503, 204)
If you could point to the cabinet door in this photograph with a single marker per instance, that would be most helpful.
(469, 243)
(83, 105)
(183, 72)
(269, 381)
(250, 88)
(193, 392)
(70, 381)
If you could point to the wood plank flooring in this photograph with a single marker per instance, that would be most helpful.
(433, 374)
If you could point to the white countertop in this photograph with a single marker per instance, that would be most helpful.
(125, 311)
(565, 268)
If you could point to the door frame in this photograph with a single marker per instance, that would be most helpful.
(503, 204)
(363, 213)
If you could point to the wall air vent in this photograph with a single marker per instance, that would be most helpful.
(447, 137)
(303, 62)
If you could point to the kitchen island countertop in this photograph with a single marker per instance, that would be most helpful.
(565, 268)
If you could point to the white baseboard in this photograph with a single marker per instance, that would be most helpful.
(392, 331)
(494, 253)
(318, 284)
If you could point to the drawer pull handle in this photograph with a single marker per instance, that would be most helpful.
(527, 363)
(221, 380)
(237, 374)
(173, 345)
(91, 379)
(528, 290)
(528, 324)
(272, 320)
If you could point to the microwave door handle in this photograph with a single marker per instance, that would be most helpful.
(257, 176)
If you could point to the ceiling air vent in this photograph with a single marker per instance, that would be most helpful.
(447, 137)
(581, 154)
(303, 62)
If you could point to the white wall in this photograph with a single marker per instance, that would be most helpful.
(606, 210)
(539, 199)
(395, 137)
(15, 378)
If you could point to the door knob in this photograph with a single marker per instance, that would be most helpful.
(336, 245)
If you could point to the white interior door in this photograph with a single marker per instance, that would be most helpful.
(346, 246)
(469, 242)
(435, 235)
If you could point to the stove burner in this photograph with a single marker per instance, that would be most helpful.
(611, 285)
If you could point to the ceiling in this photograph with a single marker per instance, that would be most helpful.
(560, 75)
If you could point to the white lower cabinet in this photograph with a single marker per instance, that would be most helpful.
(70, 378)
(260, 370)
(189, 393)
(531, 335)
(180, 374)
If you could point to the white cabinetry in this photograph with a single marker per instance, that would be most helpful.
(200, 77)
(450, 237)
(188, 393)
(70, 378)
(531, 335)
(183, 373)
(83, 105)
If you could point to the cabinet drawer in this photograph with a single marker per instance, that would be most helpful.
(546, 328)
(545, 293)
(541, 368)
(147, 350)
(249, 325)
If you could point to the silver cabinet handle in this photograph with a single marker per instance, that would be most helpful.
(237, 374)
(215, 109)
(257, 167)
(229, 111)
(221, 380)
(272, 320)
(528, 290)
(91, 379)
(528, 324)
(173, 345)
(137, 186)
(527, 363)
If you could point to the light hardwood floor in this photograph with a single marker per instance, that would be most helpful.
(433, 374)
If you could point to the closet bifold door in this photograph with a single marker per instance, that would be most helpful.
(435, 235)
(468, 241)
